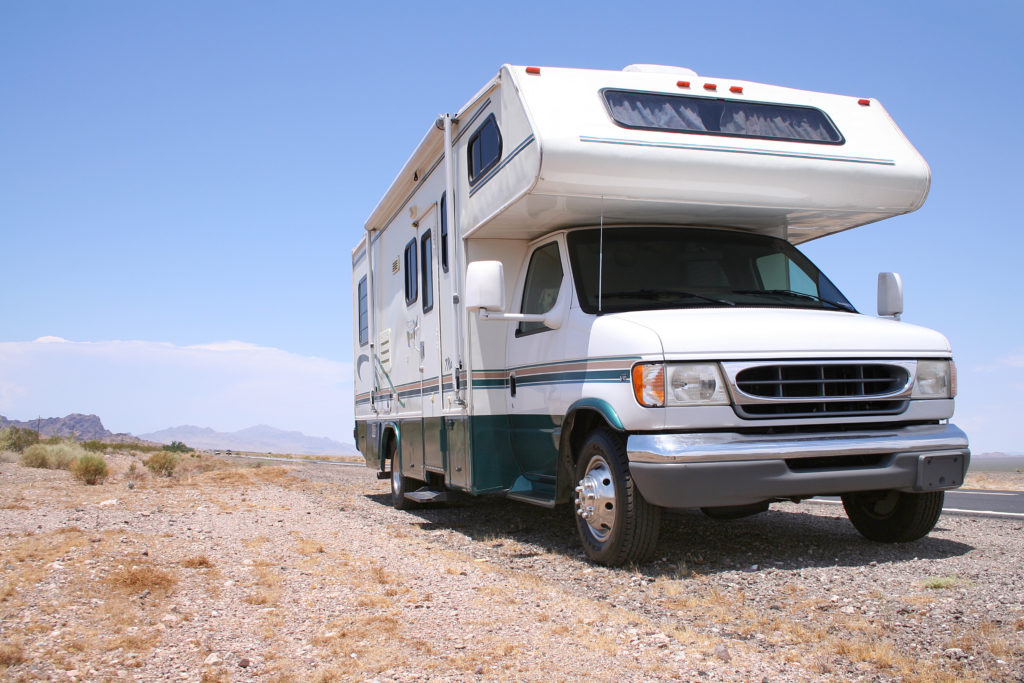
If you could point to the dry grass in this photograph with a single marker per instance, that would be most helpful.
(138, 578)
(307, 546)
(941, 582)
(11, 654)
(197, 562)
(1005, 481)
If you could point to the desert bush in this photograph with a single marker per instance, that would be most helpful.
(64, 454)
(91, 469)
(94, 446)
(177, 447)
(56, 456)
(36, 455)
(162, 463)
(17, 439)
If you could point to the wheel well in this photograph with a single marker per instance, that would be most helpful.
(575, 428)
(389, 437)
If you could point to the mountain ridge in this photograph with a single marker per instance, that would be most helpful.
(258, 438)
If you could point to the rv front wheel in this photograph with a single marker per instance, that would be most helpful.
(615, 523)
(893, 516)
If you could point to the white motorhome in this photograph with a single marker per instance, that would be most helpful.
(583, 288)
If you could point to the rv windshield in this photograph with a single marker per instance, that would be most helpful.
(646, 268)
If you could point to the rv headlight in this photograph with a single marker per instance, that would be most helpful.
(695, 384)
(935, 379)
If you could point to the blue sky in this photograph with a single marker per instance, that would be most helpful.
(181, 183)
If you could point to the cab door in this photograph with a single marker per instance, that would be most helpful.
(540, 377)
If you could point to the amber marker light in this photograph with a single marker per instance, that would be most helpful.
(535, 70)
(738, 89)
(649, 384)
(683, 84)
(864, 102)
(710, 86)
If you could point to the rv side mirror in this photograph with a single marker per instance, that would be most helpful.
(890, 295)
(485, 286)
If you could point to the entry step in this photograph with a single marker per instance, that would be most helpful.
(428, 495)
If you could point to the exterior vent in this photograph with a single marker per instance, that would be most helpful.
(820, 389)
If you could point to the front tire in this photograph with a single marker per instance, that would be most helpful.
(893, 516)
(615, 523)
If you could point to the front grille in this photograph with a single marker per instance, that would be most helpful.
(823, 389)
(847, 380)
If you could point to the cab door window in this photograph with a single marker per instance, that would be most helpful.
(543, 279)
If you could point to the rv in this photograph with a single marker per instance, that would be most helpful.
(583, 288)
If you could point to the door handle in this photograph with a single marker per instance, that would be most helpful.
(512, 385)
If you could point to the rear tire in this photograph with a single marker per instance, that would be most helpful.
(400, 484)
(894, 516)
(615, 523)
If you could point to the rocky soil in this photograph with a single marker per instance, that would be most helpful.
(305, 573)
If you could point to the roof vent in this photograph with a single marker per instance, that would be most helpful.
(681, 71)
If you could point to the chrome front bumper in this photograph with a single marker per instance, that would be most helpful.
(718, 447)
(717, 469)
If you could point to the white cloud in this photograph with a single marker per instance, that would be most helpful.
(143, 386)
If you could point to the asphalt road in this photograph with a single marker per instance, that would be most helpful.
(1006, 504)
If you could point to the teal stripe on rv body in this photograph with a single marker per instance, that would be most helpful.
(608, 369)
(738, 150)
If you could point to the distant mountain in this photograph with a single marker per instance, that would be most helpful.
(258, 439)
(75, 426)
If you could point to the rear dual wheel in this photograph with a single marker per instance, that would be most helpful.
(616, 525)
(400, 484)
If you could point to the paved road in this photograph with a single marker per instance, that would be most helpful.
(1007, 504)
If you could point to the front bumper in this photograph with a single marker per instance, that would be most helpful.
(726, 469)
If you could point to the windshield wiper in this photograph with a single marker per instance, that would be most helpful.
(803, 295)
(666, 293)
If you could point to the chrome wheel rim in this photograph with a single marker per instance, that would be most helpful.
(396, 478)
(595, 498)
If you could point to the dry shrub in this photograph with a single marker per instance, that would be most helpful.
(11, 655)
(140, 578)
(307, 546)
(91, 469)
(197, 562)
(163, 463)
(36, 455)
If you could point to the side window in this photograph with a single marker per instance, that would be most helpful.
(543, 279)
(778, 272)
(444, 232)
(484, 149)
(410, 273)
(427, 262)
(364, 318)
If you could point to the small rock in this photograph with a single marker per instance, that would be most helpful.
(244, 662)
(108, 503)
(169, 619)
(479, 669)
(722, 652)
(213, 659)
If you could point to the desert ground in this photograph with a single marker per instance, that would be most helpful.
(241, 570)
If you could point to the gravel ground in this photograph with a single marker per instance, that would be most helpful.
(306, 573)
